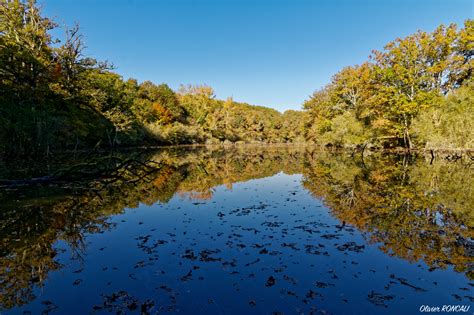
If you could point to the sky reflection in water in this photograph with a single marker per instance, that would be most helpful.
(246, 231)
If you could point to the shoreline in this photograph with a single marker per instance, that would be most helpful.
(353, 150)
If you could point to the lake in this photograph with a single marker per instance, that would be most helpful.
(247, 230)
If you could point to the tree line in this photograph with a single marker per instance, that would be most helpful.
(418, 91)
(52, 97)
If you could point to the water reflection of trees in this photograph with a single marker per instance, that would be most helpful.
(34, 218)
(414, 209)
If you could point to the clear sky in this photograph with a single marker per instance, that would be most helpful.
(263, 52)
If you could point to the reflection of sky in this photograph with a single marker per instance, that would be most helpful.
(265, 213)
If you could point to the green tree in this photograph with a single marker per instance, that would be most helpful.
(449, 125)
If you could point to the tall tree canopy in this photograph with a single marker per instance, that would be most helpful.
(385, 95)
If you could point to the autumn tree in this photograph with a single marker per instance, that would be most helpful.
(409, 76)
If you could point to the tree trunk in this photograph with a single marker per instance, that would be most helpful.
(406, 139)
(406, 133)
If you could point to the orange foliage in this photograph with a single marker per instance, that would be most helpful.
(56, 71)
(161, 179)
(162, 114)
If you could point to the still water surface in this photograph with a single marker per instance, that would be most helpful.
(240, 231)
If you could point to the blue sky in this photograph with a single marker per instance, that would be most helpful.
(271, 53)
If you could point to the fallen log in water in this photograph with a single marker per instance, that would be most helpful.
(102, 169)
